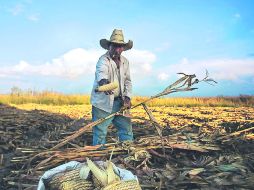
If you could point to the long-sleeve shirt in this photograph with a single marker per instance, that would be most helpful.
(106, 69)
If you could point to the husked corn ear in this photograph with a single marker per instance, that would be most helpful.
(70, 180)
(123, 185)
(107, 87)
(76, 185)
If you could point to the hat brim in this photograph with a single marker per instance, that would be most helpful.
(105, 44)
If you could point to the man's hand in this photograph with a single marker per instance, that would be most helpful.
(103, 82)
(127, 102)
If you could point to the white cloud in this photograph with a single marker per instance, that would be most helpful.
(3, 76)
(79, 62)
(220, 69)
(70, 65)
(141, 61)
(22, 66)
(163, 76)
(22, 9)
(17, 9)
(33, 17)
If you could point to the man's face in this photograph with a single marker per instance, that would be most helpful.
(115, 50)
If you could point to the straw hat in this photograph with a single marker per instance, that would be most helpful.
(116, 37)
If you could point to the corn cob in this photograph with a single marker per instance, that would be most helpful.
(123, 185)
(79, 184)
(109, 180)
(70, 180)
(107, 87)
(101, 179)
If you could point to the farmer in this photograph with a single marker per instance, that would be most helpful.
(112, 67)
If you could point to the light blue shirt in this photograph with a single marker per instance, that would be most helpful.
(106, 69)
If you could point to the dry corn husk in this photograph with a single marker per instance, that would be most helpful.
(104, 179)
(109, 180)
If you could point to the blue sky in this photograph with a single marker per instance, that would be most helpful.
(55, 44)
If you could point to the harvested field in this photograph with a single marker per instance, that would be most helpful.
(200, 147)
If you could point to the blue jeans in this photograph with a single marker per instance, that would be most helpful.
(123, 124)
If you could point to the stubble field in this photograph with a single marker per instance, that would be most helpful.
(202, 147)
(223, 118)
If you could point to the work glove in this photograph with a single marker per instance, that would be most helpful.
(103, 82)
(127, 102)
